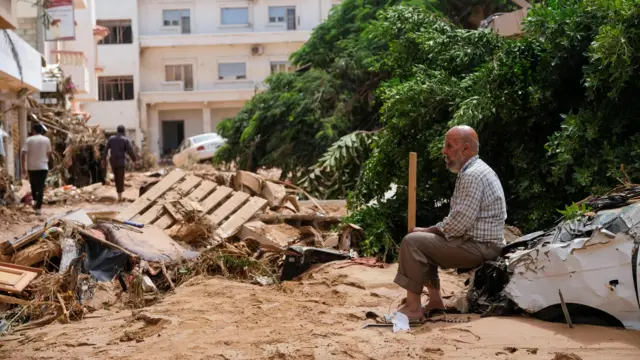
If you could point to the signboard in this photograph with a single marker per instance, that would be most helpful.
(62, 25)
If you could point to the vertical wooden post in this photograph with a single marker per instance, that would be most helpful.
(413, 168)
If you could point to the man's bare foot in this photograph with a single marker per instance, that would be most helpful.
(411, 313)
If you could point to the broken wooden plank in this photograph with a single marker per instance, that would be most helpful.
(214, 199)
(12, 300)
(152, 195)
(170, 217)
(205, 188)
(228, 207)
(274, 193)
(268, 236)
(251, 181)
(176, 194)
(37, 253)
(246, 212)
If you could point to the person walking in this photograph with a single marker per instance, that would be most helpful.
(36, 152)
(120, 146)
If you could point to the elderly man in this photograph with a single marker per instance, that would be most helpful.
(471, 234)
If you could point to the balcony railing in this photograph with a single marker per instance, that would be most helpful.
(74, 64)
(70, 58)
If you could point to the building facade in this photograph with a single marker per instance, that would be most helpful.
(176, 68)
(20, 74)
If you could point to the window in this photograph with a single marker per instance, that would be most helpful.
(119, 32)
(115, 88)
(181, 18)
(182, 73)
(277, 14)
(280, 66)
(234, 16)
(232, 71)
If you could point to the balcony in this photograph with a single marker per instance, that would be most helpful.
(8, 19)
(30, 62)
(74, 64)
(171, 92)
(248, 38)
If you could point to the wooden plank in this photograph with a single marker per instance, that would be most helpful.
(411, 212)
(150, 215)
(228, 207)
(205, 188)
(164, 222)
(170, 217)
(186, 186)
(214, 199)
(232, 226)
(176, 194)
(152, 195)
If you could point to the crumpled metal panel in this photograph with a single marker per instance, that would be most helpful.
(595, 271)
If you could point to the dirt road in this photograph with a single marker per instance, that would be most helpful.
(319, 317)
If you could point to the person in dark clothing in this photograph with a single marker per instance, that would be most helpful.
(120, 146)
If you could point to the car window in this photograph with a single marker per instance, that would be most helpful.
(205, 137)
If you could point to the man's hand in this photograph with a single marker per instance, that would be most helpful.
(430, 229)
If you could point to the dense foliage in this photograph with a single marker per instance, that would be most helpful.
(554, 108)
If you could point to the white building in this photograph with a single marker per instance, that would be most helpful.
(20, 74)
(176, 68)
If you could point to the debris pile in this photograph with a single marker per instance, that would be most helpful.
(54, 269)
(235, 225)
(207, 209)
(76, 146)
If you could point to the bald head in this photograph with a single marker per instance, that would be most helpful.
(460, 144)
(466, 135)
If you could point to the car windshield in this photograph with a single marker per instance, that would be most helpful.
(205, 137)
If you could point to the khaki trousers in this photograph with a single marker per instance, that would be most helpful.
(421, 254)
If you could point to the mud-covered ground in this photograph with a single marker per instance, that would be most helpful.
(318, 317)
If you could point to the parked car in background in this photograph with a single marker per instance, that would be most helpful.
(200, 148)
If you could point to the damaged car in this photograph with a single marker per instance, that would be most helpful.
(585, 270)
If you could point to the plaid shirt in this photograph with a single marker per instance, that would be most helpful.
(477, 207)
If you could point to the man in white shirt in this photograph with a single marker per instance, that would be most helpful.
(36, 152)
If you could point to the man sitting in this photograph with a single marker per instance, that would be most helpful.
(471, 234)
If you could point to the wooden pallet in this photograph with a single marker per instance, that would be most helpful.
(227, 209)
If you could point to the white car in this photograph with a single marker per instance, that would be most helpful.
(200, 148)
